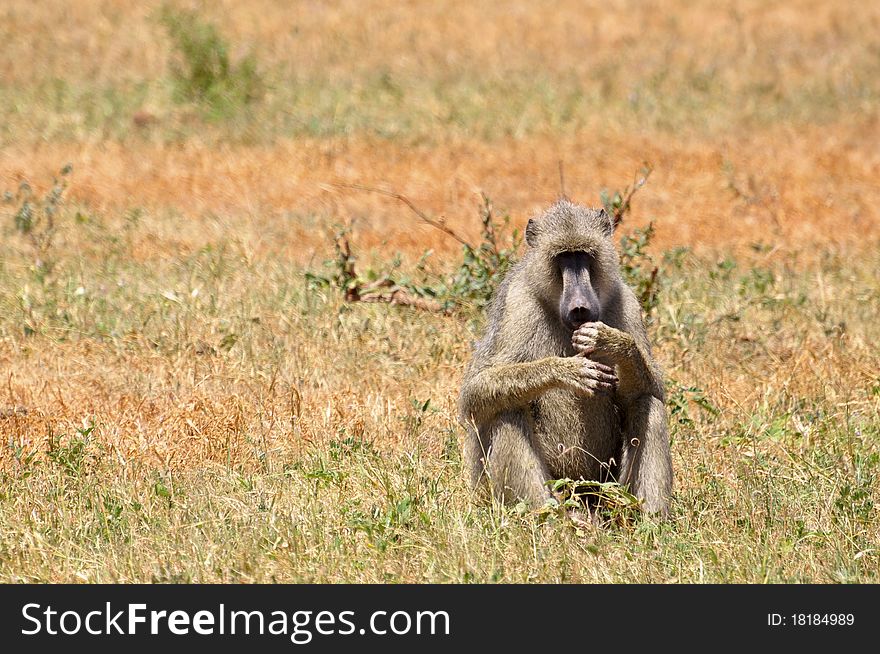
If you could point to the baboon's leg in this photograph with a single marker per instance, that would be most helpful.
(646, 464)
(513, 467)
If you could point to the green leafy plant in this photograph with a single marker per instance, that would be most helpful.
(470, 286)
(639, 269)
(351, 446)
(484, 266)
(35, 217)
(72, 456)
(202, 69)
(384, 526)
(855, 499)
(384, 286)
(680, 398)
(609, 500)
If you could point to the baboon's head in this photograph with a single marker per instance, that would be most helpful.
(573, 267)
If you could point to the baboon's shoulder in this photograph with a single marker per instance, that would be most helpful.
(498, 308)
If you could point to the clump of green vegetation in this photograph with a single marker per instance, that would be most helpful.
(72, 456)
(470, 287)
(484, 266)
(610, 502)
(34, 217)
(637, 265)
(202, 70)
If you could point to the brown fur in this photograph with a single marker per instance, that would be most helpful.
(529, 398)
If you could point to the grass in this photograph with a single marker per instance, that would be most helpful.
(703, 68)
(185, 423)
(178, 403)
(426, 111)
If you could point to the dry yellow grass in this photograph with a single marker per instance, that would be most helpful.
(176, 404)
(795, 190)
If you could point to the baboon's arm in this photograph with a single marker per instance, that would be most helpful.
(503, 387)
(495, 389)
(646, 463)
(636, 369)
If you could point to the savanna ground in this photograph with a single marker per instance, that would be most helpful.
(180, 402)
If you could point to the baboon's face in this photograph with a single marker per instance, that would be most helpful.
(573, 266)
(579, 301)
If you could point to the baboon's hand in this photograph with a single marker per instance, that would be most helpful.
(587, 377)
(599, 341)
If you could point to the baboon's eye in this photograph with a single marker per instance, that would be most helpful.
(574, 261)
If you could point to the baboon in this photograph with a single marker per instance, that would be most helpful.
(563, 383)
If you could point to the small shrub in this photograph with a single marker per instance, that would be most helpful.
(73, 456)
(483, 267)
(637, 265)
(35, 217)
(470, 286)
(202, 71)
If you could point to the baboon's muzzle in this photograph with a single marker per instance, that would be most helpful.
(579, 303)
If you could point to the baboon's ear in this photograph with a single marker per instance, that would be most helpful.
(606, 222)
(531, 233)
